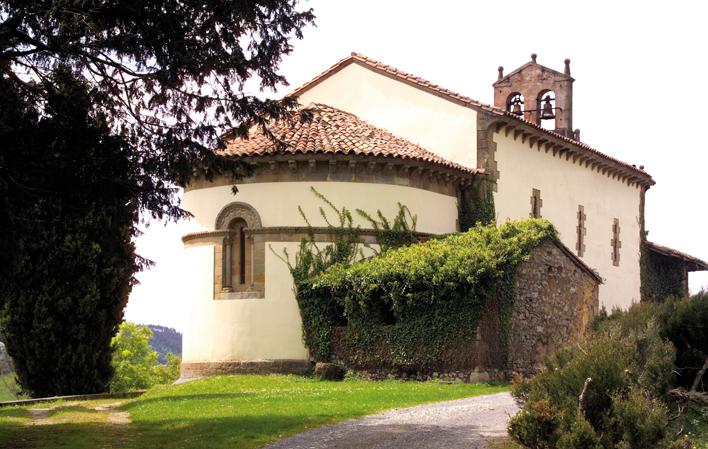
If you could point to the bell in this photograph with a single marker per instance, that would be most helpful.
(517, 109)
(547, 112)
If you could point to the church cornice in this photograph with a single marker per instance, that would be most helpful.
(349, 168)
(571, 150)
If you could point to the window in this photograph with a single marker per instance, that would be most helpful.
(239, 263)
(580, 231)
(616, 242)
(536, 203)
(235, 261)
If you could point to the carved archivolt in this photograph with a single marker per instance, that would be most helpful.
(238, 210)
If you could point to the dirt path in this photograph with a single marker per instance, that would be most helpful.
(464, 423)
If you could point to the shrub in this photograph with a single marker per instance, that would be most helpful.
(682, 322)
(630, 365)
(637, 420)
(685, 324)
(536, 426)
(581, 435)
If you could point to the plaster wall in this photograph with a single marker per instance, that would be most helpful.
(277, 203)
(564, 185)
(432, 122)
(270, 328)
(243, 329)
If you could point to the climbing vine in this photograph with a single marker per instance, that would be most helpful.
(393, 234)
(662, 276)
(476, 205)
(320, 312)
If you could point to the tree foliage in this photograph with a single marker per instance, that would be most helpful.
(135, 363)
(169, 74)
(105, 106)
(69, 209)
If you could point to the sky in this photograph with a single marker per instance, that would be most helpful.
(639, 95)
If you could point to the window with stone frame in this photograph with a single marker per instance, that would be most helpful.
(536, 203)
(239, 263)
(580, 231)
(616, 242)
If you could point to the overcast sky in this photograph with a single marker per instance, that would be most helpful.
(639, 95)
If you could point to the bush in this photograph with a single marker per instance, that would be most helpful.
(682, 322)
(631, 356)
(581, 435)
(536, 426)
(637, 420)
(630, 365)
(135, 363)
(685, 324)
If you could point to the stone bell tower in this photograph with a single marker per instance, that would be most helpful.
(538, 94)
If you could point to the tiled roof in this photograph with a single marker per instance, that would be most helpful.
(460, 99)
(694, 263)
(331, 131)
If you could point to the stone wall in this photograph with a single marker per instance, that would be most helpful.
(556, 298)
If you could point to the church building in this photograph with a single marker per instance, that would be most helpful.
(377, 136)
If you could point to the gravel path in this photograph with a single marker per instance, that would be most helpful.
(464, 423)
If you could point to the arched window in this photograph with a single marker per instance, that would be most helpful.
(235, 261)
(239, 249)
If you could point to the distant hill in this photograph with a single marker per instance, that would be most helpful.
(164, 340)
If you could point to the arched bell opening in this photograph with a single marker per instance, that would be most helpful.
(546, 109)
(515, 104)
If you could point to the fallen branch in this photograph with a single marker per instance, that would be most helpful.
(699, 376)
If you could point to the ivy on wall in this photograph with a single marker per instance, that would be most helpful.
(662, 276)
(413, 307)
(476, 205)
(319, 312)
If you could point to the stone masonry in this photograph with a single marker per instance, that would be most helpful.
(556, 298)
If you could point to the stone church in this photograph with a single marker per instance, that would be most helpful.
(378, 137)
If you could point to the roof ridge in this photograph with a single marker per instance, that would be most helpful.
(451, 95)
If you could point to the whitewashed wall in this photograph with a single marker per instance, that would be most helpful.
(270, 327)
(432, 122)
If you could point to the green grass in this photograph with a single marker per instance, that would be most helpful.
(696, 425)
(242, 412)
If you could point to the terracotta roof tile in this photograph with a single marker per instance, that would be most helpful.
(332, 131)
(461, 99)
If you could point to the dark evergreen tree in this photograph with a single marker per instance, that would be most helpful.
(105, 105)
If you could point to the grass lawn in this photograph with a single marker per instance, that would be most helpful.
(696, 425)
(218, 412)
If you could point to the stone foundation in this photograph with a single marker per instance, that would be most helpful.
(199, 369)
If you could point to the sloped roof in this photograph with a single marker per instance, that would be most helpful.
(693, 263)
(420, 83)
(322, 129)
